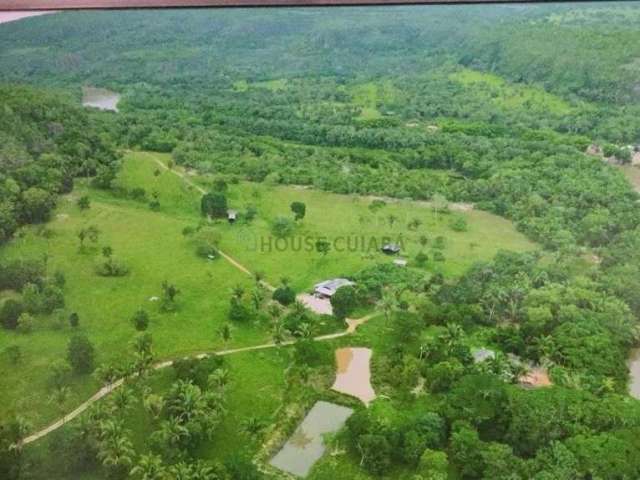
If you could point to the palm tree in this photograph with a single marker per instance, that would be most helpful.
(275, 310)
(452, 336)
(115, 449)
(219, 379)
(60, 396)
(278, 333)
(225, 333)
(238, 291)
(388, 303)
(304, 330)
(153, 404)
(149, 467)
(122, 399)
(252, 426)
(171, 433)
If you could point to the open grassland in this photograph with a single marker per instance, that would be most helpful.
(512, 96)
(347, 221)
(151, 244)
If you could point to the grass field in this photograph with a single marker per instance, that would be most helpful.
(511, 96)
(152, 245)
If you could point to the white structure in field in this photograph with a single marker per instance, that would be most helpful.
(329, 287)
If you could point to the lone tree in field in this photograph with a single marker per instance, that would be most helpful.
(344, 301)
(169, 293)
(214, 205)
(140, 320)
(299, 210)
(80, 354)
(225, 333)
(91, 233)
(323, 247)
(84, 202)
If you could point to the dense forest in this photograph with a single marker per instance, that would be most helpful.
(502, 107)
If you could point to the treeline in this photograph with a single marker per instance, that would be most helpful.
(45, 142)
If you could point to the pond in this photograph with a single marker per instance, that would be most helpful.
(634, 373)
(306, 445)
(353, 376)
(100, 98)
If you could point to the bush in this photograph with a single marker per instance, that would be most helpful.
(140, 320)
(112, 267)
(11, 311)
(458, 224)
(438, 256)
(13, 354)
(74, 319)
(284, 295)
(25, 323)
(14, 275)
(344, 302)
(84, 202)
(207, 241)
(421, 259)
(80, 354)
(283, 227)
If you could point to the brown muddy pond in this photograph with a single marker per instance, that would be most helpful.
(353, 375)
(100, 98)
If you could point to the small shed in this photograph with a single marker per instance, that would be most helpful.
(232, 215)
(391, 248)
(400, 262)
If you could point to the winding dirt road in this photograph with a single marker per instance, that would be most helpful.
(353, 324)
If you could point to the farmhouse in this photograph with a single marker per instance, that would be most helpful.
(329, 287)
(391, 248)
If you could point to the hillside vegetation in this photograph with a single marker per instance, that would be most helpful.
(494, 143)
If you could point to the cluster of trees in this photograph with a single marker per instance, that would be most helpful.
(181, 419)
(46, 142)
(479, 420)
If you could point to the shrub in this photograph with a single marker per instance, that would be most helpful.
(284, 295)
(84, 202)
(439, 242)
(14, 275)
(25, 323)
(282, 227)
(421, 259)
(140, 320)
(80, 354)
(10, 312)
(207, 241)
(74, 319)
(438, 256)
(112, 267)
(13, 354)
(458, 224)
